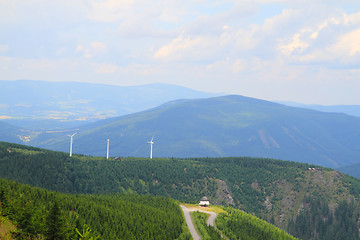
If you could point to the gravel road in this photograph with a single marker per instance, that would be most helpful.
(189, 222)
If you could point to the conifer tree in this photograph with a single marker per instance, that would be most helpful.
(55, 227)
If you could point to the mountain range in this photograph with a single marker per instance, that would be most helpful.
(199, 126)
(57, 105)
(220, 127)
(353, 110)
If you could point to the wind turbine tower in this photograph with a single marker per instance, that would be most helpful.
(71, 143)
(151, 146)
(108, 147)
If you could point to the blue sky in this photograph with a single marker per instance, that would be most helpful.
(290, 50)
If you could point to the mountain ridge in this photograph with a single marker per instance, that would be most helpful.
(74, 103)
(219, 127)
(353, 110)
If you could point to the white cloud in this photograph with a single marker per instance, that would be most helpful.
(61, 51)
(106, 68)
(286, 22)
(85, 52)
(348, 44)
(333, 42)
(4, 47)
(99, 46)
(180, 47)
(110, 10)
(239, 66)
(234, 66)
(295, 46)
(93, 49)
(352, 19)
(217, 45)
(208, 47)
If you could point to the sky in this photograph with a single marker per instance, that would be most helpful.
(306, 51)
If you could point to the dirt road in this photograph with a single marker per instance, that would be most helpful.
(189, 222)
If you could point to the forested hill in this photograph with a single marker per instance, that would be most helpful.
(221, 127)
(34, 213)
(291, 195)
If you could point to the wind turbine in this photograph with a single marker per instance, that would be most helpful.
(108, 147)
(151, 146)
(71, 143)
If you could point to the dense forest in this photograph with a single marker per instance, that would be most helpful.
(276, 191)
(236, 224)
(183, 179)
(38, 213)
(339, 224)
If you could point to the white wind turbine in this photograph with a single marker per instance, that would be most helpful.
(107, 149)
(71, 143)
(151, 146)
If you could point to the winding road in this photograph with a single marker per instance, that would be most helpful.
(210, 221)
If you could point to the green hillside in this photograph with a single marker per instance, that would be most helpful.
(37, 212)
(280, 192)
(236, 224)
(221, 127)
(41, 214)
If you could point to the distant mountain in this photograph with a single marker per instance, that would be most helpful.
(56, 105)
(219, 127)
(353, 169)
(11, 133)
(353, 110)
